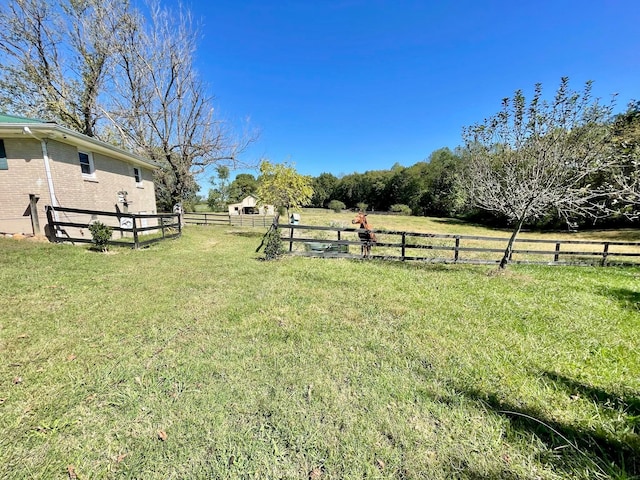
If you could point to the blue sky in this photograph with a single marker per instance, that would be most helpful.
(345, 86)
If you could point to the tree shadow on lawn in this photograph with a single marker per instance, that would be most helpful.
(628, 402)
(618, 235)
(247, 234)
(627, 298)
(430, 266)
(598, 449)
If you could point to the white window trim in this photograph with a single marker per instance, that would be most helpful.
(92, 167)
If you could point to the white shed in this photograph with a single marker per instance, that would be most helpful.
(249, 206)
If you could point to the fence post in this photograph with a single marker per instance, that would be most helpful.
(33, 210)
(605, 253)
(162, 226)
(291, 240)
(556, 256)
(404, 244)
(456, 250)
(53, 235)
(135, 231)
(180, 224)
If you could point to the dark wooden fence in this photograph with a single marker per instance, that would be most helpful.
(448, 248)
(133, 228)
(212, 218)
(206, 218)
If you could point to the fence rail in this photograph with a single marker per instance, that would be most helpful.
(206, 218)
(210, 218)
(450, 248)
(131, 226)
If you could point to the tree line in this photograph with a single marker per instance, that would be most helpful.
(592, 179)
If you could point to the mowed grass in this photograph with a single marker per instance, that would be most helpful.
(194, 359)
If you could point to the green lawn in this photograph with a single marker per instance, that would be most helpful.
(194, 359)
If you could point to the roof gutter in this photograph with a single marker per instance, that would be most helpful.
(62, 134)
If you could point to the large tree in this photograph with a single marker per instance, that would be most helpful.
(166, 110)
(57, 59)
(531, 158)
(243, 185)
(441, 194)
(323, 189)
(623, 183)
(103, 68)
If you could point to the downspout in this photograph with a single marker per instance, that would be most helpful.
(47, 169)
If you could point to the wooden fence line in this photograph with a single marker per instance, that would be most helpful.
(169, 225)
(407, 245)
(206, 218)
(209, 218)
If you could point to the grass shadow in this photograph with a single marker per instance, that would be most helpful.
(622, 235)
(593, 449)
(427, 266)
(627, 298)
(467, 223)
(627, 403)
(247, 234)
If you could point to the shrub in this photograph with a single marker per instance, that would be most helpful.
(273, 246)
(101, 235)
(401, 209)
(362, 206)
(336, 205)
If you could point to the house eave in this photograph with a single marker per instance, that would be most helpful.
(52, 131)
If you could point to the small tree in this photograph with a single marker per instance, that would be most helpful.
(101, 234)
(273, 246)
(336, 205)
(282, 186)
(527, 160)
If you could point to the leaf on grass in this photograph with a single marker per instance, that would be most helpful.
(24, 335)
(71, 357)
(71, 470)
(17, 380)
(379, 464)
(162, 435)
(2, 400)
(121, 457)
(315, 474)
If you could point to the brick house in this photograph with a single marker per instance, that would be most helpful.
(45, 163)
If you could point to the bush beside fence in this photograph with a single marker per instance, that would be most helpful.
(135, 230)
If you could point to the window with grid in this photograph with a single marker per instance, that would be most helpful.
(86, 163)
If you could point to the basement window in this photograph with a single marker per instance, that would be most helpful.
(4, 165)
(86, 164)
